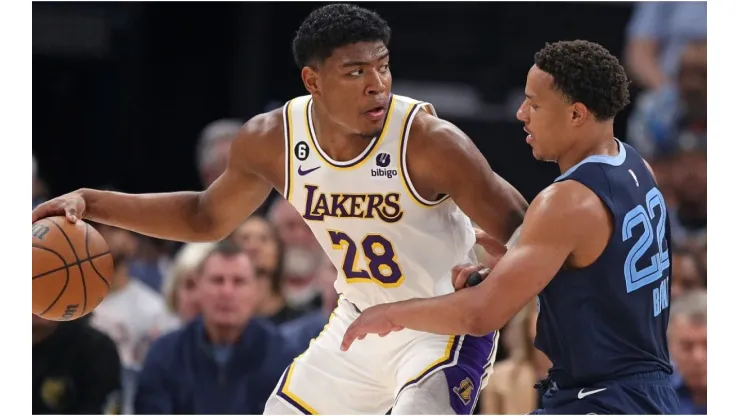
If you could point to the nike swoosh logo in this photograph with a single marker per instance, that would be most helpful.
(582, 394)
(306, 172)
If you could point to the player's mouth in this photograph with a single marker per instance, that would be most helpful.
(529, 135)
(376, 113)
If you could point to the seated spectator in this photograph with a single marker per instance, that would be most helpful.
(687, 274)
(212, 151)
(673, 119)
(689, 215)
(76, 369)
(302, 257)
(259, 239)
(687, 342)
(656, 35)
(179, 291)
(223, 362)
(302, 330)
(132, 312)
(510, 389)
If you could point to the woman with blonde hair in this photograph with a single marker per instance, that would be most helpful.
(178, 288)
(511, 389)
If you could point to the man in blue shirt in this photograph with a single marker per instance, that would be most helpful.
(224, 362)
(687, 341)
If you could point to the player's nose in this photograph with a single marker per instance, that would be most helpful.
(521, 114)
(376, 83)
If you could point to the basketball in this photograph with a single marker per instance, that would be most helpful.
(72, 269)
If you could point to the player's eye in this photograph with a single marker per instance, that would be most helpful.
(385, 68)
(355, 73)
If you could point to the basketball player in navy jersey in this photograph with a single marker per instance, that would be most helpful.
(594, 248)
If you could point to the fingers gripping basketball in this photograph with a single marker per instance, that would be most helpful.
(72, 269)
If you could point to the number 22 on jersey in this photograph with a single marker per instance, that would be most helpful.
(380, 256)
(659, 262)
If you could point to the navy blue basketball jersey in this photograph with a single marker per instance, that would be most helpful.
(609, 320)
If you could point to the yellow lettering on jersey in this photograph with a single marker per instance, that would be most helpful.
(363, 206)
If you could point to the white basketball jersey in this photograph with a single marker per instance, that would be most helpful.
(386, 241)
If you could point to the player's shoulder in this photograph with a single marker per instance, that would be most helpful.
(568, 202)
(261, 137)
(434, 138)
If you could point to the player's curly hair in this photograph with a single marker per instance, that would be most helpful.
(334, 26)
(586, 72)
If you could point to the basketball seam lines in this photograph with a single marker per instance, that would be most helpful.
(66, 281)
(77, 259)
(82, 276)
(92, 264)
(66, 265)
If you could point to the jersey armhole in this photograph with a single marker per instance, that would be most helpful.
(404, 146)
(288, 137)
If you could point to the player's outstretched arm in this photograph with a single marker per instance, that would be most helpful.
(558, 221)
(442, 159)
(185, 216)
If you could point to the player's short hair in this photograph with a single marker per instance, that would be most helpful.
(586, 72)
(333, 26)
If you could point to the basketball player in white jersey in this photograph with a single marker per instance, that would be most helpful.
(388, 189)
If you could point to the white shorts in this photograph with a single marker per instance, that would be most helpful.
(375, 371)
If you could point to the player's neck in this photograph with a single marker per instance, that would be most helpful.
(334, 139)
(597, 141)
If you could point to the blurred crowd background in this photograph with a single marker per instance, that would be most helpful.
(146, 97)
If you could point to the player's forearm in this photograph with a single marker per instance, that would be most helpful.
(453, 314)
(171, 216)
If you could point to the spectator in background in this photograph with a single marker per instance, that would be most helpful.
(302, 256)
(179, 288)
(302, 330)
(687, 342)
(689, 215)
(510, 388)
(656, 35)
(687, 274)
(76, 369)
(673, 120)
(224, 362)
(151, 261)
(259, 239)
(132, 311)
(213, 148)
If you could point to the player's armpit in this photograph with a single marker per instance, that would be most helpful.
(443, 160)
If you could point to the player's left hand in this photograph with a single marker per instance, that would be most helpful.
(372, 320)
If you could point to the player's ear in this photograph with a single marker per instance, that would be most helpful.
(579, 113)
(310, 79)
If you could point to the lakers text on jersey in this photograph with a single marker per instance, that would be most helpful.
(388, 243)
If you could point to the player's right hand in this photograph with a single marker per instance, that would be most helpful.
(71, 206)
(461, 272)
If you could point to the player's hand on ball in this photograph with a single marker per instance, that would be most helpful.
(372, 320)
(71, 205)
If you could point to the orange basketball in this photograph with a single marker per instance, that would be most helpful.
(72, 269)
